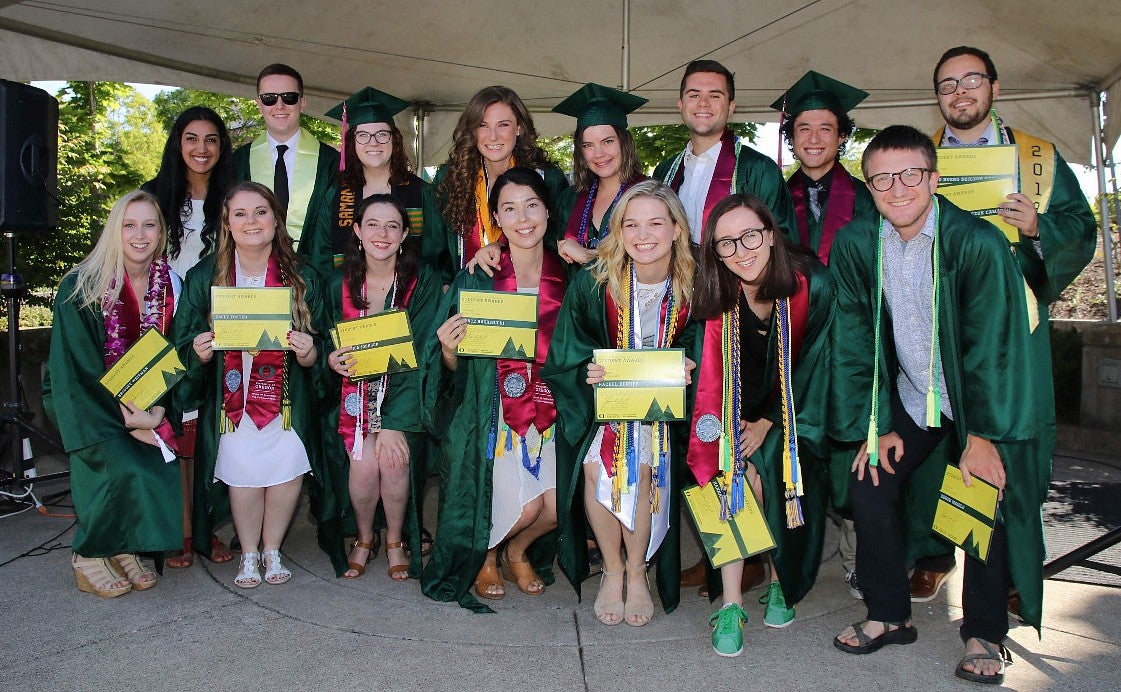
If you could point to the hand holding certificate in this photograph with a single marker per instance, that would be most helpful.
(251, 319)
(145, 372)
(967, 515)
(499, 324)
(727, 540)
(640, 384)
(379, 344)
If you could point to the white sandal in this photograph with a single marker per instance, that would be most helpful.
(275, 572)
(248, 577)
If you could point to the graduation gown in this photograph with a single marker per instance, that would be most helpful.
(308, 194)
(126, 498)
(400, 409)
(440, 248)
(581, 327)
(987, 360)
(572, 202)
(457, 408)
(755, 174)
(202, 388)
(797, 552)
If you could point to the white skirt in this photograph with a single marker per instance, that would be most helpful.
(514, 486)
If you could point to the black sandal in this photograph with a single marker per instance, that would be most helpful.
(902, 634)
(993, 652)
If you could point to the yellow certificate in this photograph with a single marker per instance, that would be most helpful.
(978, 179)
(380, 344)
(966, 516)
(499, 324)
(251, 319)
(725, 541)
(645, 384)
(145, 372)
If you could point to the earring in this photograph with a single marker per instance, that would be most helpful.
(400, 249)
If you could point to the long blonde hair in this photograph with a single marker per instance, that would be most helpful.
(281, 248)
(613, 263)
(105, 265)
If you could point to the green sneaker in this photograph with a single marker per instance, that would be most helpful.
(777, 615)
(727, 631)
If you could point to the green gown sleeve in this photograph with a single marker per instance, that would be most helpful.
(438, 243)
(315, 236)
(402, 410)
(580, 328)
(760, 176)
(241, 162)
(564, 203)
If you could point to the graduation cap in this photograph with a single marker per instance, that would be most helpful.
(594, 104)
(368, 105)
(815, 91)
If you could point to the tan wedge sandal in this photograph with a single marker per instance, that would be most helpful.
(96, 576)
(140, 576)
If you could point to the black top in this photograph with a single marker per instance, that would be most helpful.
(755, 391)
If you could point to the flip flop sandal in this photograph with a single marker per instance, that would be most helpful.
(902, 634)
(993, 652)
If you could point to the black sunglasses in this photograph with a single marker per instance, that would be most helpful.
(290, 98)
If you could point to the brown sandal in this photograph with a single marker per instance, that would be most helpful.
(394, 570)
(523, 575)
(488, 579)
(219, 551)
(360, 568)
(181, 559)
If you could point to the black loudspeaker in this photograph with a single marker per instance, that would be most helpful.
(28, 159)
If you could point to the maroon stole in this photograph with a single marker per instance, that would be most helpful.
(521, 404)
(355, 392)
(721, 184)
(266, 374)
(839, 209)
(704, 457)
(607, 445)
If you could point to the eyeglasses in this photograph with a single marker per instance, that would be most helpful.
(751, 240)
(970, 81)
(910, 177)
(290, 98)
(363, 137)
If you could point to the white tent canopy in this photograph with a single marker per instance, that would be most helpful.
(1054, 59)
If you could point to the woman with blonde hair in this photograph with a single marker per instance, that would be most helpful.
(635, 295)
(126, 497)
(259, 427)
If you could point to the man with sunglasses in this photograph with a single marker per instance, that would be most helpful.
(930, 346)
(298, 168)
(1057, 238)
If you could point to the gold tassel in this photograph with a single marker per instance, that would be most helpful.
(794, 517)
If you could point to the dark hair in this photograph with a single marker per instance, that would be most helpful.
(845, 127)
(170, 184)
(981, 55)
(630, 167)
(279, 68)
(353, 176)
(354, 259)
(901, 137)
(709, 66)
(716, 289)
(521, 175)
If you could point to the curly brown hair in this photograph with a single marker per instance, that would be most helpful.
(457, 192)
(353, 177)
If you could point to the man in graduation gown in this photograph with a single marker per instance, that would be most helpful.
(302, 174)
(1056, 240)
(932, 337)
(715, 163)
(816, 125)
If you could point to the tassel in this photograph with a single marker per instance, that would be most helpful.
(342, 140)
(872, 444)
(933, 407)
(490, 444)
(739, 487)
(794, 517)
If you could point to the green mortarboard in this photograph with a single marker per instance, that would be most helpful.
(593, 104)
(369, 105)
(816, 91)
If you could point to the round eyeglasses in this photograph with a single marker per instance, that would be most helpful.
(970, 81)
(363, 137)
(910, 177)
(751, 240)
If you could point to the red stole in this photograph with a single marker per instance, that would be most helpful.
(704, 457)
(721, 184)
(266, 374)
(839, 208)
(352, 403)
(522, 404)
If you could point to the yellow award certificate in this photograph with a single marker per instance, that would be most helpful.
(725, 541)
(978, 179)
(380, 344)
(966, 516)
(251, 319)
(499, 324)
(145, 372)
(646, 384)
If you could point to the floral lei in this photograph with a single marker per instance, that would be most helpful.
(159, 281)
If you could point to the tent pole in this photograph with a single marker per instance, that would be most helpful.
(420, 114)
(1103, 204)
(625, 78)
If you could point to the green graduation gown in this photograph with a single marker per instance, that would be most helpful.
(303, 218)
(202, 388)
(400, 409)
(755, 174)
(582, 327)
(986, 357)
(457, 410)
(797, 553)
(440, 248)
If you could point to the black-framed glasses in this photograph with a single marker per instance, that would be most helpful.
(910, 177)
(290, 98)
(751, 240)
(363, 137)
(970, 81)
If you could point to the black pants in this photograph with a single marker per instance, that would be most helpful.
(880, 542)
